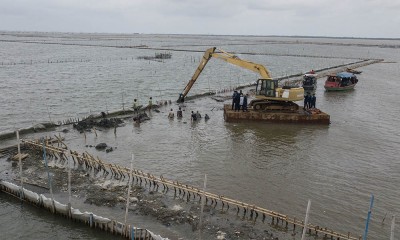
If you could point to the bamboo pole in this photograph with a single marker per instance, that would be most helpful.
(69, 185)
(20, 166)
(48, 175)
(368, 217)
(306, 220)
(129, 189)
(392, 227)
(202, 206)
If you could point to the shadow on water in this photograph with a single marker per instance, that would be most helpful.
(332, 95)
(272, 146)
(264, 132)
(270, 133)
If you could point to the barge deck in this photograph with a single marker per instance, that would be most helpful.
(301, 116)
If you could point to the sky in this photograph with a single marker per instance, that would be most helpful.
(331, 18)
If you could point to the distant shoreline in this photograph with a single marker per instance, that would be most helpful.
(3, 32)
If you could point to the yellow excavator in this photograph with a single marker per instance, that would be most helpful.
(268, 96)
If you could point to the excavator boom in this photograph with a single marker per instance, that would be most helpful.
(206, 57)
(235, 60)
(227, 57)
(269, 96)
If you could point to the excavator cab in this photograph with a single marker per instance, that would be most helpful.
(270, 97)
(266, 87)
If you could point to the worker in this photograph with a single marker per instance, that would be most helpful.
(179, 113)
(194, 116)
(135, 105)
(136, 122)
(171, 114)
(233, 99)
(150, 103)
(241, 99)
(237, 102)
(309, 101)
(312, 101)
(305, 101)
(245, 103)
(198, 116)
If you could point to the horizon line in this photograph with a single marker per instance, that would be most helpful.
(202, 34)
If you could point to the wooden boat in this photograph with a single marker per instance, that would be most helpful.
(350, 70)
(340, 82)
(309, 83)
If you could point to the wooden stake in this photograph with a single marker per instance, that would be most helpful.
(129, 189)
(202, 205)
(392, 228)
(306, 220)
(69, 186)
(368, 217)
(20, 166)
(48, 175)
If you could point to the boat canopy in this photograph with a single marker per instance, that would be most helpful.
(345, 75)
(310, 75)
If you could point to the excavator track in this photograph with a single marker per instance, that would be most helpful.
(270, 106)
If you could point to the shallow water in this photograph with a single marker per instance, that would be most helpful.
(276, 166)
(26, 222)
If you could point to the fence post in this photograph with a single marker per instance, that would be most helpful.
(306, 220)
(202, 205)
(48, 174)
(368, 217)
(91, 220)
(21, 194)
(69, 187)
(392, 227)
(129, 188)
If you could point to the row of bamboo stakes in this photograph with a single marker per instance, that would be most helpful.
(32, 62)
(181, 190)
(141, 46)
(127, 231)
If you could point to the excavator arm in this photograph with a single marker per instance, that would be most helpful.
(227, 57)
(206, 57)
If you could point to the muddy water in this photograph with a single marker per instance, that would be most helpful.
(276, 166)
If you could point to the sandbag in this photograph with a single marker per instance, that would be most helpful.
(31, 196)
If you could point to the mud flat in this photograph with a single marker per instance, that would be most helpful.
(304, 117)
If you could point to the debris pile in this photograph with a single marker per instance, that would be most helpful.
(314, 111)
(89, 123)
(141, 117)
(157, 56)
